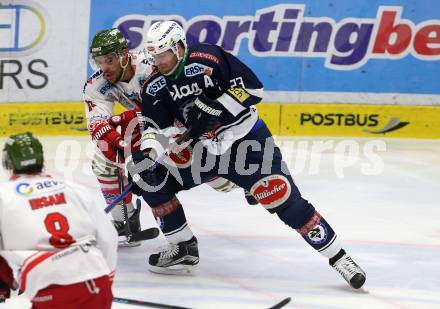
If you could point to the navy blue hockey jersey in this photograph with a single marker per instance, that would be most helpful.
(218, 74)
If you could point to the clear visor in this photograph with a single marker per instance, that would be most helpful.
(99, 62)
(163, 57)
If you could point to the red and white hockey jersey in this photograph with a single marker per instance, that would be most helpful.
(100, 95)
(53, 232)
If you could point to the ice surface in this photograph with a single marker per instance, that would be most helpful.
(388, 221)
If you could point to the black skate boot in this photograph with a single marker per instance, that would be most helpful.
(349, 270)
(135, 226)
(176, 259)
(250, 198)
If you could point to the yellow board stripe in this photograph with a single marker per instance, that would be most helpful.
(68, 118)
(357, 120)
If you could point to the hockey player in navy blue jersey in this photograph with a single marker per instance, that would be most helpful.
(213, 93)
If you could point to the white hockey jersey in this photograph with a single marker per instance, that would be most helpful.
(100, 95)
(53, 232)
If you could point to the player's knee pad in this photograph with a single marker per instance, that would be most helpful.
(221, 184)
(296, 212)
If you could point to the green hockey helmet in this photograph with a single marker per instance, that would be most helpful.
(106, 42)
(23, 154)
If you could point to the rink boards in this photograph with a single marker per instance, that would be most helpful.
(366, 120)
(345, 68)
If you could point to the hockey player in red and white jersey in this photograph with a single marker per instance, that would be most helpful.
(119, 77)
(56, 241)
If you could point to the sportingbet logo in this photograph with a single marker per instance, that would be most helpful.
(283, 31)
(25, 22)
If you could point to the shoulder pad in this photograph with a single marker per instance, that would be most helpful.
(91, 78)
(97, 86)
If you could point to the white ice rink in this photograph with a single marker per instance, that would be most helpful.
(384, 205)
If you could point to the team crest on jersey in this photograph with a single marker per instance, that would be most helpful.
(197, 69)
(271, 191)
(155, 85)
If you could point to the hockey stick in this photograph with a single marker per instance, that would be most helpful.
(121, 189)
(145, 303)
(160, 160)
(131, 237)
(281, 304)
(119, 198)
(146, 234)
(142, 303)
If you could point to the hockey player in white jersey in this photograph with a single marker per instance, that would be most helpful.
(56, 241)
(119, 77)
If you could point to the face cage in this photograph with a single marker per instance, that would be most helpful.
(96, 67)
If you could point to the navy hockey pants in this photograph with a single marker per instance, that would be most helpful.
(255, 164)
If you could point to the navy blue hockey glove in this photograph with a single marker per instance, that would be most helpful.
(139, 173)
(203, 116)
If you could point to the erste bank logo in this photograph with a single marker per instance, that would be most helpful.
(23, 28)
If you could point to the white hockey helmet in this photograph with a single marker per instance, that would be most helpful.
(163, 36)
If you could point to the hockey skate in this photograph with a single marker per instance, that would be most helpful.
(135, 226)
(176, 259)
(349, 270)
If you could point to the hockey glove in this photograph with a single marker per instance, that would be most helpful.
(139, 172)
(107, 139)
(7, 282)
(130, 128)
(203, 116)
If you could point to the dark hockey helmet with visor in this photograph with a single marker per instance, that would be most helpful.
(23, 154)
(104, 44)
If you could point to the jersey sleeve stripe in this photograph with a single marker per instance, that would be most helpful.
(229, 102)
(256, 92)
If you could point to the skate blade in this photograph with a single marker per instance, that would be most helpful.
(125, 244)
(176, 270)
